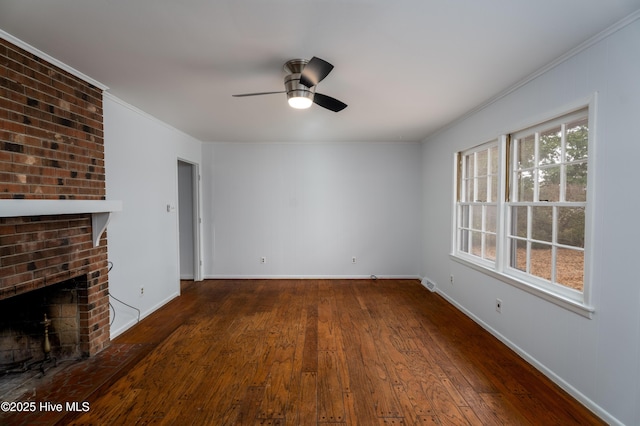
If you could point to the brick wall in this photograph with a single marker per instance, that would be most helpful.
(52, 147)
(51, 133)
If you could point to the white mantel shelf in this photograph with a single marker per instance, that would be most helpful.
(100, 210)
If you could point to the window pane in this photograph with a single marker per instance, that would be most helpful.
(550, 147)
(525, 154)
(493, 194)
(481, 164)
(491, 214)
(571, 226)
(570, 268)
(525, 186)
(469, 166)
(493, 155)
(490, 247)
(476, 220)
(464, 216)
(519, 221)
(576, 182)
(541, 261)
(481, 196)
(577, 140)
(476, 243)
(470, 195)
(464, 241)
(549, 184)
(518, 258)
(542, 223)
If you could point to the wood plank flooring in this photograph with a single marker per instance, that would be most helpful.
(320, 352)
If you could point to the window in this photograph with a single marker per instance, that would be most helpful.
(548, 199)
(477, 202)
(521, 206)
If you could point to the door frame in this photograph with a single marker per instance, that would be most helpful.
(196, 219)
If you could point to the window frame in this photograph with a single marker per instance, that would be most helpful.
(568, 298)
(461, 202)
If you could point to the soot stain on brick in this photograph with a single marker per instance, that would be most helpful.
(13, 147)
(65, 122)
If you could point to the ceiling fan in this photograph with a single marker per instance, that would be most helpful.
(300, 85)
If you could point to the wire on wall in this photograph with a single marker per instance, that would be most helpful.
(118, 300)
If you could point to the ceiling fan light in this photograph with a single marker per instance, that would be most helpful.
(300, 102)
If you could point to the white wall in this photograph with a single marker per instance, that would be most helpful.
(597, 359)
(309, 208)
(141, 155)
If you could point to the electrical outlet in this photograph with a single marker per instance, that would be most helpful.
(353, 259)
(263, 260)
(498, 306)
(451, 279)
(141, 291)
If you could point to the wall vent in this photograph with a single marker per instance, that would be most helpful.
(429, 284)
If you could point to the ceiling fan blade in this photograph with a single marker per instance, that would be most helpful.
(256, 94)
(315, 71)
(328, 102)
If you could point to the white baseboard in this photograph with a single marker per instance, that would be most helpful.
(595, 408)
(115, 333)
(308, 277)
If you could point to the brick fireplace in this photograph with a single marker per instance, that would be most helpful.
(51, 148)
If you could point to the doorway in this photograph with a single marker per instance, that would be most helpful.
(189, 221)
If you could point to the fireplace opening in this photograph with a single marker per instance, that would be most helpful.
(25, 318)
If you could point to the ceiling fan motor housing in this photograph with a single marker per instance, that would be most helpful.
(292, 84)
(295, 89)
(295, 66)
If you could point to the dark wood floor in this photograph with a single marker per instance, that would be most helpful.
(310, 352)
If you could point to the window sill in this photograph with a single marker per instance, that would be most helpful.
(566, 303)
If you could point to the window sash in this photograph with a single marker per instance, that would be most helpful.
(529, 165)
(476, 203)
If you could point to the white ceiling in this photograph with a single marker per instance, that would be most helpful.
(406, 68)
